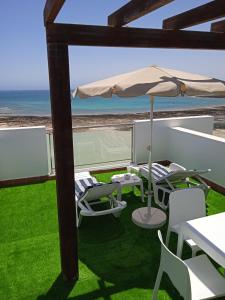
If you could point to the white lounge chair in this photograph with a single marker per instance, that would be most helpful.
(88, 192)
(194, 278)
(184, 205)
(167, 179)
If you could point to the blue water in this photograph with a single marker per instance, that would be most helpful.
(37, 103)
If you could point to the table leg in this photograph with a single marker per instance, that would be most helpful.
(142, 192)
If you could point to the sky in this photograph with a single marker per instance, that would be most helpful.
(23, 55)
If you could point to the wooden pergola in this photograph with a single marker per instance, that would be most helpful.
(60, 36)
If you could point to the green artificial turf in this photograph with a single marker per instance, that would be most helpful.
(118, 260)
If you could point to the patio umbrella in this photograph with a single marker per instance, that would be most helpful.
(153, 81)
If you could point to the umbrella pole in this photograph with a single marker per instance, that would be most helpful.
(150, 153)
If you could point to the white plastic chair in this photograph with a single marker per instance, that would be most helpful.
(184, 205)
(195, 278)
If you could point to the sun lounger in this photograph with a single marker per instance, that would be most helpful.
(173, 177)
(88, 192)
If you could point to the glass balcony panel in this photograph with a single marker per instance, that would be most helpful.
(97, 147)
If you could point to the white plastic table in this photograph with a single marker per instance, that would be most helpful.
(208, 234)
(133, 181)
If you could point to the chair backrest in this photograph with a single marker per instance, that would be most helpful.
(186, 204)
(178, 175)
(175, 269)
(103, 190)
(175, 167)
(174, 173)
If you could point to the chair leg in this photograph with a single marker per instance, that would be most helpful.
(157, 284)
(168, 237)
(193, 252)
(79, 220)
(117, 214)
(119, 193)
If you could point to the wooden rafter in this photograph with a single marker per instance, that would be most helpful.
(204, 13)
(51, 10)
(90, 35)
(134, 10)
(218, 26)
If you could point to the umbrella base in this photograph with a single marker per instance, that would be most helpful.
(149, 217)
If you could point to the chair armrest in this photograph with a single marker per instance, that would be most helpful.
(176, 167)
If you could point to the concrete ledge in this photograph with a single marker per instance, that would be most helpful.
(23, 181)
(41, 179)
(216, 187)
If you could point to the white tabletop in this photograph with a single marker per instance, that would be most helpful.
(208, 234)
(121, 178)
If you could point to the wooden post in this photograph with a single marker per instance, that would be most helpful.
(59, 78)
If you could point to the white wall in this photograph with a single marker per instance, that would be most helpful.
(23, 152)
(196, 150)
(193, 146)
(141, 135)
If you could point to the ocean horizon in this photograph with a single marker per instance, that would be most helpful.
(37, 103)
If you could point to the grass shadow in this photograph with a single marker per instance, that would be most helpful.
(122, 257)
(59, 290)
(119, 252)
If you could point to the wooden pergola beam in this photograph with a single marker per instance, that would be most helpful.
(90, 35)
(134, 10)
(218, 26)
(51, 10)
(204, 13)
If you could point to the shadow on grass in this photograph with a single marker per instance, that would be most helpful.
(60, 289)
(117, 256)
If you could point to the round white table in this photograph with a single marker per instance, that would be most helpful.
(149, 217)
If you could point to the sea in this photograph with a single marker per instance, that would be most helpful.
(37, 103)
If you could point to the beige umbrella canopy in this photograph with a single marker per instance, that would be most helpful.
(153, 81)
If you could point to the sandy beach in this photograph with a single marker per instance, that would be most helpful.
(93, 120)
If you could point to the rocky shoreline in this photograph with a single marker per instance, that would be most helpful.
(113, 119)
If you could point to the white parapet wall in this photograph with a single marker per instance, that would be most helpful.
(197, 150)
(161, 139)
(23, 152)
